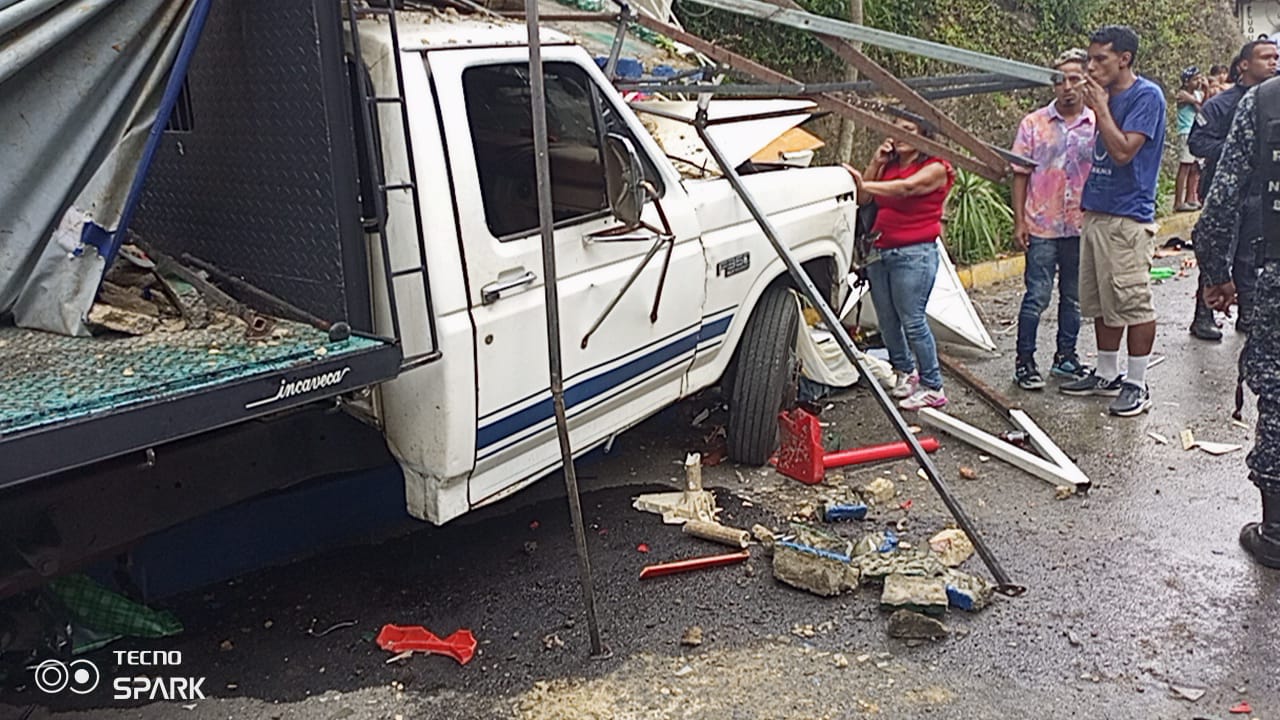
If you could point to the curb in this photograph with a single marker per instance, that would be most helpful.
(992, 271)
(1177, 224)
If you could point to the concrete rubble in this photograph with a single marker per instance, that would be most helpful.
(908, 625)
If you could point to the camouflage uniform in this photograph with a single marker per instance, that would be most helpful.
(1215, 235)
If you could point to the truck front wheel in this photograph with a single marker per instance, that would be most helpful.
(764, 377)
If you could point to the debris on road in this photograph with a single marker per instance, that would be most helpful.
(1016, 456)
(715, 532)
(460, 645)
(1187, 692)
(692, 636)
(952, 546)
(1158, 438)
(1241, 708)
(1217, 448)
(697, 563)
(642, 548)
(336, 626)
(692, 503)
(1062, 492)
(801, 455)
(968, 473)
(839, 512)
(921, 594)
(968, 592)
(763, 535)
(818, 571)
(879, 491)
(552, 641)
(909, 625)
(1188, 439)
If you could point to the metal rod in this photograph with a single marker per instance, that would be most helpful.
(620, 35)
(802, 280)
(882, 38)
(807, 89)
(546, 225)
(644, 262)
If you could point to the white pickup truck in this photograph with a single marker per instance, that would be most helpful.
(381, 217)
(477, 424)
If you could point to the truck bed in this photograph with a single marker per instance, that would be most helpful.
(69, 401)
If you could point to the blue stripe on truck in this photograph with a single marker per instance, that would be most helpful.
(599, 385)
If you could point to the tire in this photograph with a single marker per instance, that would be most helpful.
(764, 376)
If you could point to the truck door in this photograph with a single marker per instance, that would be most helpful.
(631, 365)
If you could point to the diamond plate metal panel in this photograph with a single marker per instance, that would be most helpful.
(264, 185)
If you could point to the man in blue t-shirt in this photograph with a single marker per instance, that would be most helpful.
(1117, 239)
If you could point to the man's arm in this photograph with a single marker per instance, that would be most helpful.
(1021, 235)
(1121, 144)
(1217, 231)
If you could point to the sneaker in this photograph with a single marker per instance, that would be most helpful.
(1027, 376)
(1068, 366)
(923, 397)
(1133, 400)
(904, 384)
(1092, 384)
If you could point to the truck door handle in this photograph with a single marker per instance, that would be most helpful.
(491, 292)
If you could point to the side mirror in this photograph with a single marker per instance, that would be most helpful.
(624, 180)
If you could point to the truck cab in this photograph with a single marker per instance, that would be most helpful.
(477, 424)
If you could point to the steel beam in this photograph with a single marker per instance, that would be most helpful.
(882, 38)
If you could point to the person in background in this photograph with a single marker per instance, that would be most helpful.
(1117, 239)
(1047, 217)
(1218, 82)
(1255, 64)
(1189, 99)
(910, 189)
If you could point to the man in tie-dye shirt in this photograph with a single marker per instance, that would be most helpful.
(1047, 217)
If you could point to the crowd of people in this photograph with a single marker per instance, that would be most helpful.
(1084, 212)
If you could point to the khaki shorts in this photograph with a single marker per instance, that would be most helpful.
(1115, 270)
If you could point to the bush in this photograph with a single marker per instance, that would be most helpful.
(979, 221)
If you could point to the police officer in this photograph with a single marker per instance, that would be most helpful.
(1255, 63)
(1250, 164)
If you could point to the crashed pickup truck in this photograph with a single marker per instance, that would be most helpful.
(425, 180)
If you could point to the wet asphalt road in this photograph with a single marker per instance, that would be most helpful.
(1132, 588)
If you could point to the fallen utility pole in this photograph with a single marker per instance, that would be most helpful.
(825, 101)
(802, 280)
(551, 296)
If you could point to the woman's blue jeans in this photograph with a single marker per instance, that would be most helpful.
(900, 285)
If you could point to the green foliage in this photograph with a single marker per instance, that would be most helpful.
(979, 221)
(1165, 185)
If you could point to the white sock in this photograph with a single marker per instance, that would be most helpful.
(1109, 364)
(1138, 370)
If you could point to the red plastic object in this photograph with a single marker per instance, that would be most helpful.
(801, 457)
(1242, 709)
(460, 646)
(697, 563)
(642, 547)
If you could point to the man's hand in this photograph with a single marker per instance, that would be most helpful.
(1220, 297)
(1093, 94)
(1021, 235)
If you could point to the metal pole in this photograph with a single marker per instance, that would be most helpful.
(1004, 584)
(546, 221)
(882, 38)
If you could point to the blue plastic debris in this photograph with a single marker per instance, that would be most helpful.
(958, 598)
(836, 512)
(663, 71)
(629, 68)
(890, 541)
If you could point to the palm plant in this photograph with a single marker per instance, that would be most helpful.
(979, 221)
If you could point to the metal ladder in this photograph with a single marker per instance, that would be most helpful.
(369, 112)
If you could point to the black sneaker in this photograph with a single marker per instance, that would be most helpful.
(1027, 376)
(1133, 400)
(1068, 366)
(1092, 384)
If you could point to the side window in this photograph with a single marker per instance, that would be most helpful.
(497, 99)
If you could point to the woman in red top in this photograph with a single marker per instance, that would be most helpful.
(910, 190)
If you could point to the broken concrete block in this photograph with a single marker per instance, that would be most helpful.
(908, 625)
(817, 571)
(822, 539)
(121, 320)
(918, 563)
(952, 547)
(692, 636)
(879, 491)
(922, 594)
(968, 592)
(763, 535)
